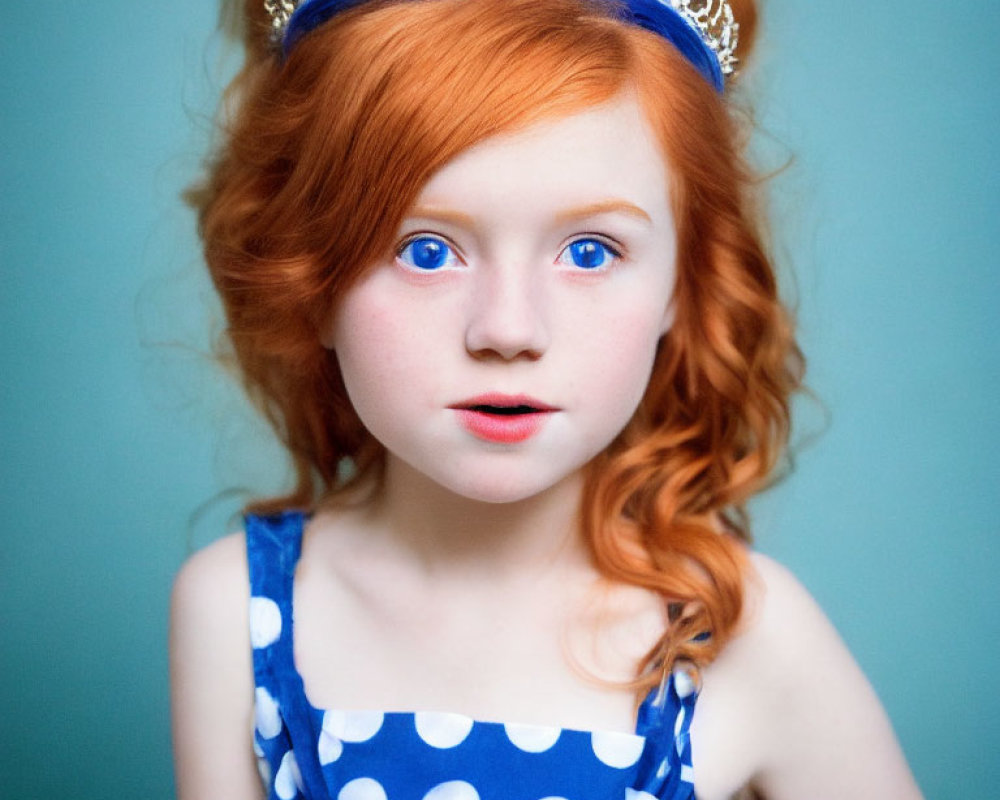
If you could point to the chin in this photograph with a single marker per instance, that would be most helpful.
(502, 489)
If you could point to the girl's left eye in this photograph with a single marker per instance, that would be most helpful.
(427, 254)
(589, 254)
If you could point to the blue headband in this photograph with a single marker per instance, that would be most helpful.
(712, 54)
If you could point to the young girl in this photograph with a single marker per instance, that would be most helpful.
(492, 270)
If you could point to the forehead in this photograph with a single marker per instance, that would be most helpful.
(603, 151)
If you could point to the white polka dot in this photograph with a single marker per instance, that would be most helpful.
(330, 748)
(452, 790)
(687, 773)
(664, 769)
(632, 794)
(264, 770)
(553, 797)
(442, 730)
(352, 726)
(362, 789)
(265, 622)
(679, 722)
(266, 715)
(288, 781)
(684, 683)
(532, 738)
(618, 750)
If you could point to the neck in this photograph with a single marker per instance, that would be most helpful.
(448, 533)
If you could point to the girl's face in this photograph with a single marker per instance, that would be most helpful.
(511, 335)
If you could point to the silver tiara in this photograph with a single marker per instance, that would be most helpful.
(281, 11)
(712, 19)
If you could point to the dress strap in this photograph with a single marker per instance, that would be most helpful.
(274, 544)
(665, 720)
(283, 717)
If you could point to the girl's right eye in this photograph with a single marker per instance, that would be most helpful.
(427, 254)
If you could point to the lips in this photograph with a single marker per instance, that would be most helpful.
(502, 418)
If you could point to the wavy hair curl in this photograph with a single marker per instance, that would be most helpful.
(323, 153)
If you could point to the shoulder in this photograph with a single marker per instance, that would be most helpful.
(783, 624)
(788, 704)
(212, 585)
(209, 629)
(211, 673)
(784, 639)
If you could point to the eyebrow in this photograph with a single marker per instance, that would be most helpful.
(604, 207)
(568, 215)
(442, 215)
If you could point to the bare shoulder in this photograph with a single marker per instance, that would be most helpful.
(211, 674)
(787, 709)
(784, 642)
(214, 580)
(208, 605)
(784, 625)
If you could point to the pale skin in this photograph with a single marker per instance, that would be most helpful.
(463, 585)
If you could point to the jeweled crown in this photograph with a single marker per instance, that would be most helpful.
(712, 19)
(280, 11)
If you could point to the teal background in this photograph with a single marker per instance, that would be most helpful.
(119, 437)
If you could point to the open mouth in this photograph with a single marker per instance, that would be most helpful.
(506, 411)
(503, 419)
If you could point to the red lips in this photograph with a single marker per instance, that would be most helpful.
(503, 418)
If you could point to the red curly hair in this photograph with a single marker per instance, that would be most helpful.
(325, 152)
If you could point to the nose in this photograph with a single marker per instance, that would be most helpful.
(507, 316)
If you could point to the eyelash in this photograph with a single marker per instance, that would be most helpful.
(449, 258)
(450, 255)
(613, 250)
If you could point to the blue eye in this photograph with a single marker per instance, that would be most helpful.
(589, 254)
(427, 253)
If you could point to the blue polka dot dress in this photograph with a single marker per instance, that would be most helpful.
(327, 754)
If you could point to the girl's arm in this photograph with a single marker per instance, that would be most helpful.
(211, 676)
(821, 730)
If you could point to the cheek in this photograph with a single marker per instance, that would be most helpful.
(621, 360)
(365, 337)
(384, 344)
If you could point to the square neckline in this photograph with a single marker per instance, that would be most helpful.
(306, 751)
(318, 711)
